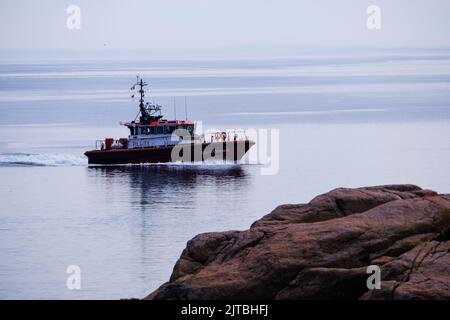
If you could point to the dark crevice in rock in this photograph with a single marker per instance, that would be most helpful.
(394, 287)
(326, 283)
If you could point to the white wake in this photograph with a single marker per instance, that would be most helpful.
(42, 159)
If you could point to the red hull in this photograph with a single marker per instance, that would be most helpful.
(229, 151)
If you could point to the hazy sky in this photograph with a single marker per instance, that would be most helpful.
(214, 24)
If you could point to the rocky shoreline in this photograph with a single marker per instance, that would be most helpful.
(321, 250)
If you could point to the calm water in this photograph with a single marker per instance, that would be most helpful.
(344, 120)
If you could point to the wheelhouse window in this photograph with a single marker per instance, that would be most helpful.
(189, 127)
(170, 129)
(143, 130)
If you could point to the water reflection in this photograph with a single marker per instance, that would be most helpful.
(160, 207)
(148, 179)
(169, 187)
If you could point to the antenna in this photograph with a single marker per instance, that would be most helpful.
(175, 108)
(185, 108)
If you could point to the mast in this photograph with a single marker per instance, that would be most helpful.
(175, 108)
(142, 108)
(185, 108)
(148, 110)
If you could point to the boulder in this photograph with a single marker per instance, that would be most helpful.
(321, 250)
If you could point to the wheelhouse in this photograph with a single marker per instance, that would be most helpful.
(161, 127)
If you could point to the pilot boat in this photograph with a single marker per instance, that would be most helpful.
(153, 139)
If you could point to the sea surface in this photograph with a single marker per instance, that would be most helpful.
(340, 120)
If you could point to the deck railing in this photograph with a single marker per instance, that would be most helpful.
(215, 136)
(224, 136)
